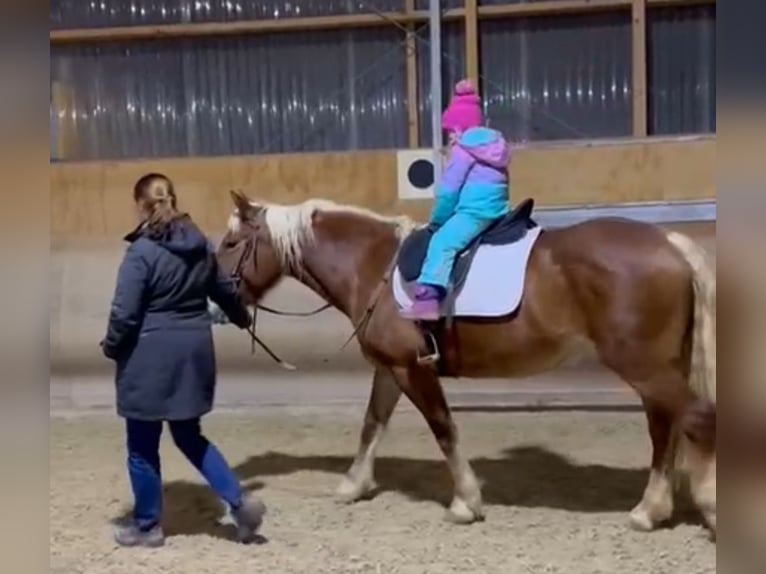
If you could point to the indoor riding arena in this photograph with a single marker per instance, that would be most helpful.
(610, 108)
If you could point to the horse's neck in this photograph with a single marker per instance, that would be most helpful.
(345, 267)
(320, 272)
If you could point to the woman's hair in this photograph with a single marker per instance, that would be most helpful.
(155, 194)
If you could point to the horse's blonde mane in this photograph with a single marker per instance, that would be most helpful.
(291, 226)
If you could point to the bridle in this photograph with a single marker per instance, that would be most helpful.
(250, 249)
(236, 276)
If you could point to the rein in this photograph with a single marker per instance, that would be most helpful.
(236, 277)
(251, 248)
(280, 313)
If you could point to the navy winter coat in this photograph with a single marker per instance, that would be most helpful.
(159, 332)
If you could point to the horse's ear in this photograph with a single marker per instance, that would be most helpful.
(241, 202)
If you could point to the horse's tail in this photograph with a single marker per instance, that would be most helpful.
(702, 362)
(698, 420)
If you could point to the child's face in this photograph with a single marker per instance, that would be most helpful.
(452, 138)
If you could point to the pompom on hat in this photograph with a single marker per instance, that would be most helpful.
(464, 109)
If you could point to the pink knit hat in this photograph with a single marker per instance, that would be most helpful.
(464, 110)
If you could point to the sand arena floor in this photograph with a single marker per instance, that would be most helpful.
(557, 489)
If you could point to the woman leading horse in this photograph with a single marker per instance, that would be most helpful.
(159, 336)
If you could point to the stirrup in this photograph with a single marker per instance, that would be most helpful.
(431, 358)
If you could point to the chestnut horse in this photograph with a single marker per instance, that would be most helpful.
(642, 297)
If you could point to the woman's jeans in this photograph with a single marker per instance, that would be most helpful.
(144, 466)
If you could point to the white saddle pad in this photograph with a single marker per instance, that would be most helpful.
(495, 282)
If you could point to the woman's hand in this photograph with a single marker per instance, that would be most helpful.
(217, 314)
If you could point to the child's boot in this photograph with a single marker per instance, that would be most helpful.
(426, 306)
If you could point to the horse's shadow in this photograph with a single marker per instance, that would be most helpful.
(530, 477)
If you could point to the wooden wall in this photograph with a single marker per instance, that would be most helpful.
(92, 201)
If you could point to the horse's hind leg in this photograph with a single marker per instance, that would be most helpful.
(359, 480)
(667, 399)
(665, 395)
(423, 388)
(656, 505)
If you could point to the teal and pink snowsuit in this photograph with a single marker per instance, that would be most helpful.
(472, 194)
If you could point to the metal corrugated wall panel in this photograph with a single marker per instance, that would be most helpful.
(558, 77)
(102, 13)
(333, 90)
(681, 69)
(543, 78)
(423, 4)
(453, 69)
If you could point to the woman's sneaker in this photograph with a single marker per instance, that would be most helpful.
(130, 535)
(248, 518)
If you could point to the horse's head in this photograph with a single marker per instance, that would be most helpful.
(318, 242)
(246, 253)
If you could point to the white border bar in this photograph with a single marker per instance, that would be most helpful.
(675, 212)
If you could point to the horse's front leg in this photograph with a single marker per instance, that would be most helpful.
(423, 388)
(359, 480)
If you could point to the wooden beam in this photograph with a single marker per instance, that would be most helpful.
(346, 21)
(573, 7)
(413, 113)
(62, 97)
(222, 28)
(399, 19)
(472, 41)
(640, 101)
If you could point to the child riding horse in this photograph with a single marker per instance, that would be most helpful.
(472, 194)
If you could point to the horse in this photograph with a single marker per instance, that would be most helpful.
(640, 296)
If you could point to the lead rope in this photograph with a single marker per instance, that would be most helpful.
(281, 362)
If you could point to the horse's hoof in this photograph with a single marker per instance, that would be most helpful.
(349, 491)
(641, 521)
(460, 513)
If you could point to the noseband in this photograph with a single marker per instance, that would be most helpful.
(236, 273)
